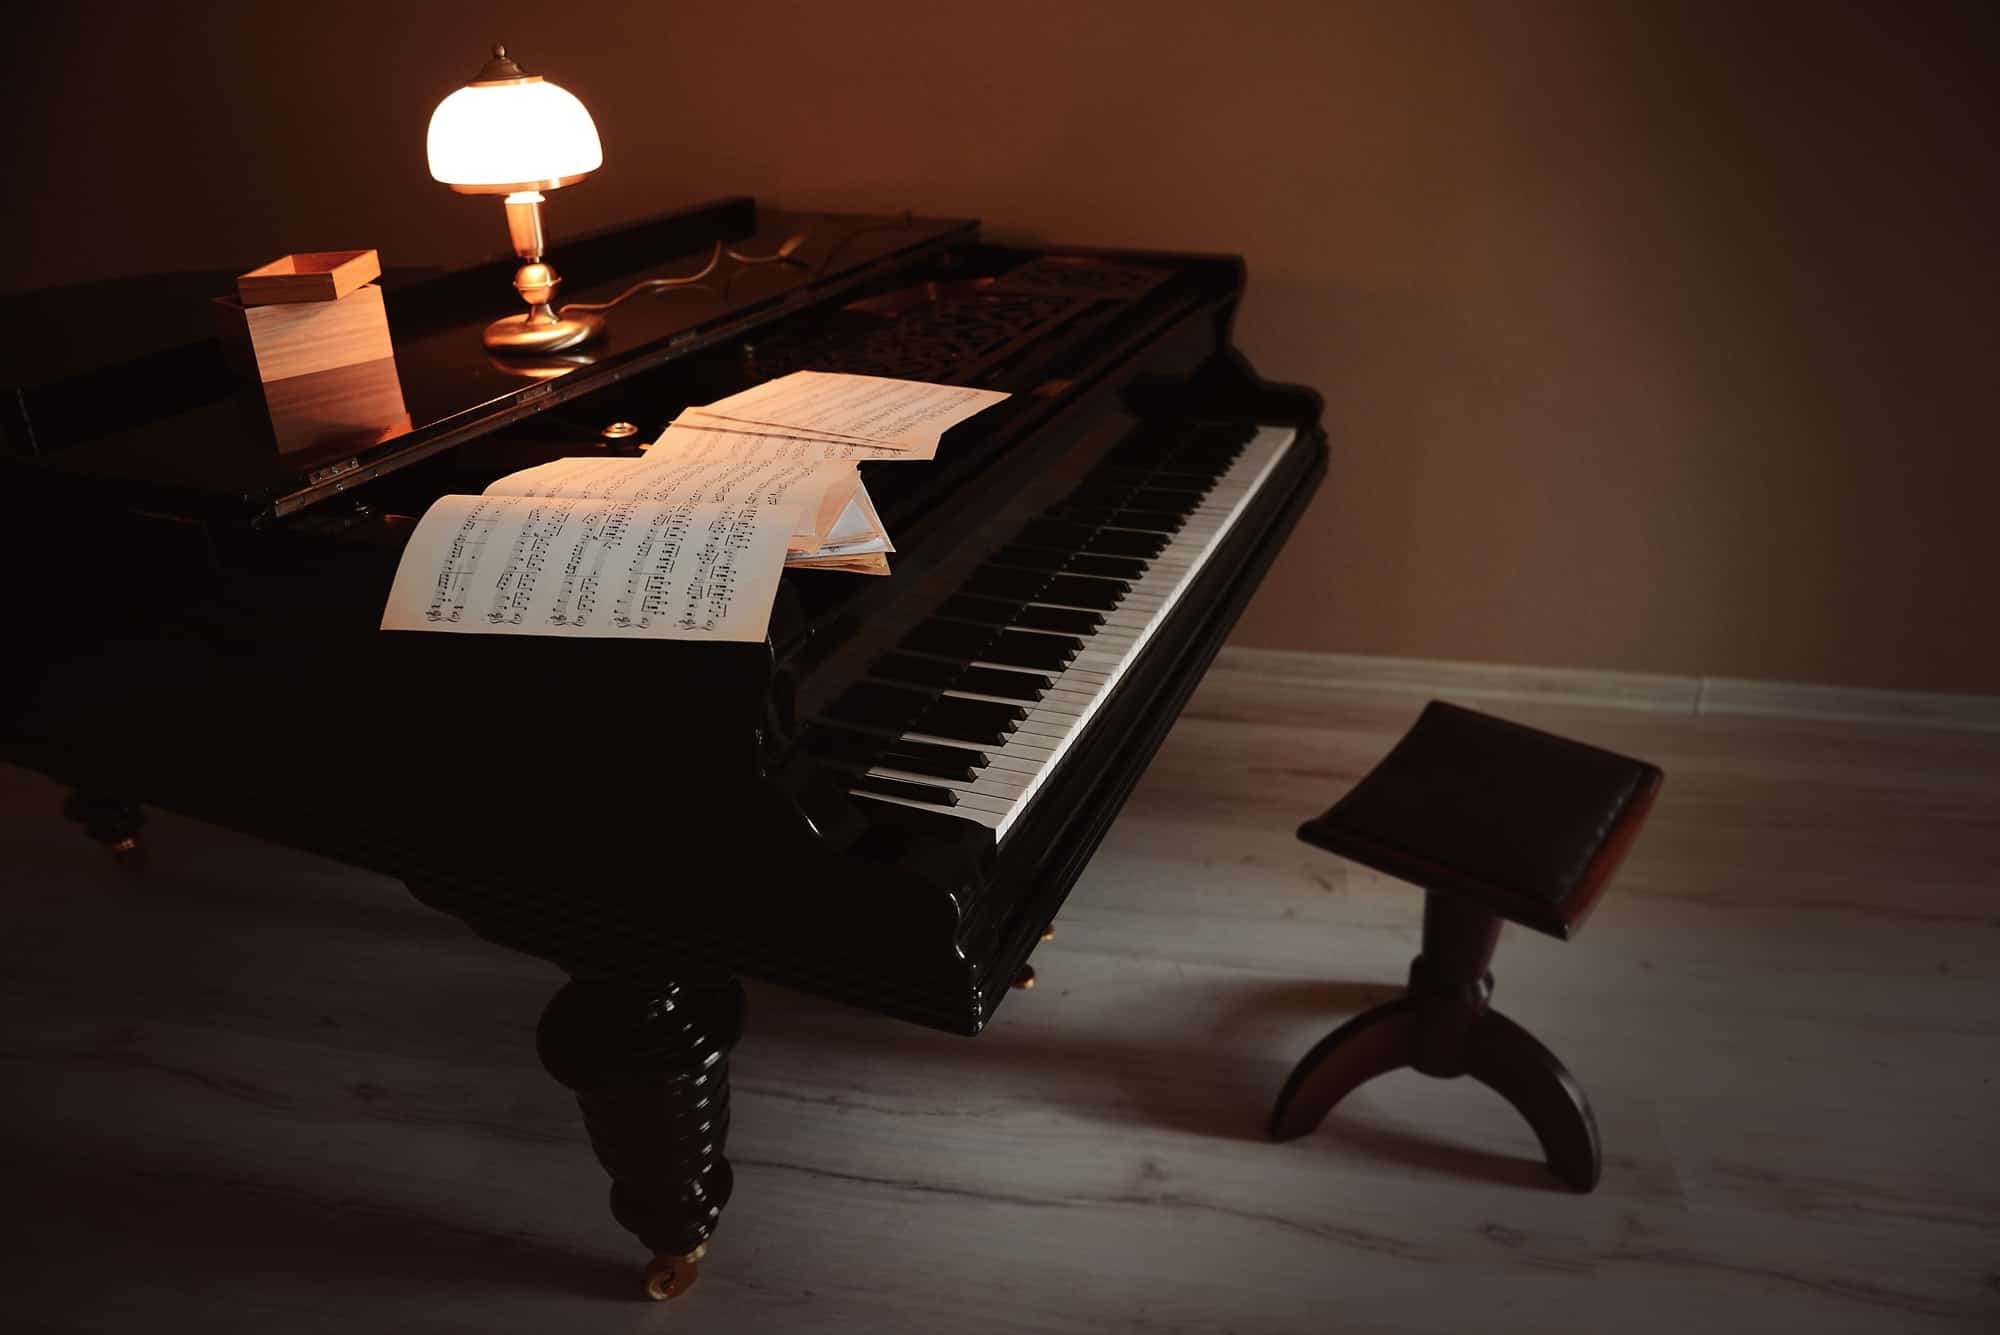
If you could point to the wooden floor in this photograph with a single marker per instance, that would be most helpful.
(261, 1092)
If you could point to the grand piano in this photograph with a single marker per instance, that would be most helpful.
(885, 802)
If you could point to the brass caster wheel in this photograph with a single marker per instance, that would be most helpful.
(1026, 981)
(129, 854)
(1049, 932)
(670, 1276)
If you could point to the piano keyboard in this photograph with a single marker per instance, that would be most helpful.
(979, 704)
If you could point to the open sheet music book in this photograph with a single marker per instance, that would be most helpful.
(688, 541)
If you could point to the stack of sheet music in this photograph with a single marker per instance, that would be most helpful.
(833, 420)
(686, 542)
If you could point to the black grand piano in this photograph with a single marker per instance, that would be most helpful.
(885, 802)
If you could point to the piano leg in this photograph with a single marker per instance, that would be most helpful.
(650, 1069)
(112, 821)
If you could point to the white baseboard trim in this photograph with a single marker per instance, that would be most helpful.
(1622, 690)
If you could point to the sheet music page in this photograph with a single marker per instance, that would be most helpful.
(628, 569)
(858, 523)
(717, 438)
(854, 407)
(818, 491)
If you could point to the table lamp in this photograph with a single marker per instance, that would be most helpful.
(515, 134)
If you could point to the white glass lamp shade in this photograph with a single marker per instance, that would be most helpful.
(521, 134)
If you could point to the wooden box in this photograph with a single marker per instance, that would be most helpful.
(319, 275)
(270, 343)
(327, 368)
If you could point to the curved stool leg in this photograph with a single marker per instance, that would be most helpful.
(1371, 1044)
(1513, 1063)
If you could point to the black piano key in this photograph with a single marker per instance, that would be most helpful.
(1080, 514)
(1003, 582)
(1123, 542)
(1152, 521)
(1032, 558)
(1199, 483)
(986, 611)
(1000, 681)
(1065, 619)
(1083, 584)
(1117, 567)
(980, 721)
(1026, 648)
(1159, 498)
(949, 639)
(916, 792)
(940, 762)
(1061, 537)
(878, 705)
(1082, 591)
(843, 749)
(957, 763)
(908, 667)
(993, 709)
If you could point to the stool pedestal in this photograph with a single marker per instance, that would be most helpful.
(1444, 1027)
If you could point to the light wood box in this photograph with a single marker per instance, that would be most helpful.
(270, 343)
(318, 275)
(327, 368)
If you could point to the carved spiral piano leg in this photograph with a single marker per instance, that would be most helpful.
(650, 1069)
(114, 822)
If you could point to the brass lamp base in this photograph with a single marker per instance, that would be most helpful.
(542, 330)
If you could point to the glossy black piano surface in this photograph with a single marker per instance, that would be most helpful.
(812, 810)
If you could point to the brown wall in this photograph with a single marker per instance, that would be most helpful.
(1654, 336)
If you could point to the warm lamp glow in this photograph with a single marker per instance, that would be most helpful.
(516, 134)
(525, 134)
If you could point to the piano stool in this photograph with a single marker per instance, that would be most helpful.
(1495, 821)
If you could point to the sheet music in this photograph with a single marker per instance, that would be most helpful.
(688, 541)
(859, 523)
(863, 408)
(718, 439)
(820, 492)
(528, 565)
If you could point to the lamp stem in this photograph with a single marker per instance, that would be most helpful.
(524, 223)
(543, 329)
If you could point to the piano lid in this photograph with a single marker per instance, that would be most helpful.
(177, 428)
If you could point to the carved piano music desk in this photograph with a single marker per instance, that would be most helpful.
(920, 764)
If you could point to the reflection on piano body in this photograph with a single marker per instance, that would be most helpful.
(884, 803)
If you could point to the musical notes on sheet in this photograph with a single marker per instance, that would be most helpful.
(820, 492)
(566, 565)
(716, 439)
(851, 410)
